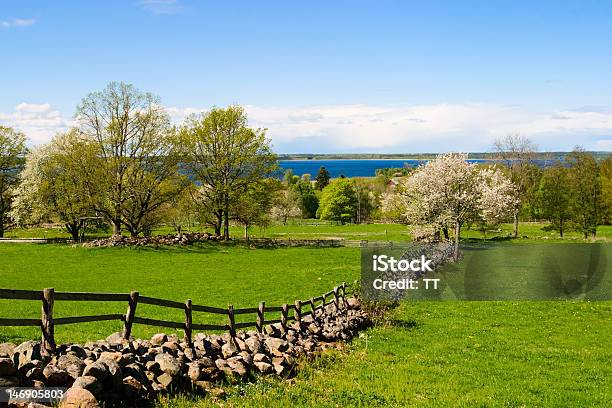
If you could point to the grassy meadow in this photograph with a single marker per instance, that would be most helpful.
(459, 354)
(212, 275)
(315, 229)
(426, 353)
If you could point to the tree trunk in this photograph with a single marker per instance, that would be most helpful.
(1, 228)
(226, 219)
(516, 222)
(116, 226)
(246, 232)
(457, 234)
(445, 231)
(218, 222)
(561, 228)
(73, 229)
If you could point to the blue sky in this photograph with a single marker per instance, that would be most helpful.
(333, 76)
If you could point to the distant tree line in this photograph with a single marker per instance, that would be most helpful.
(125, 164)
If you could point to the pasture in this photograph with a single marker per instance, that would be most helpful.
(212, 275)
(316, 229)
(427, 353)
(459, 354)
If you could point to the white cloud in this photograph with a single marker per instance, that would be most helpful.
(38, 121)
(604, 145)
(17, 22)
(423, 128)
(161, 6)
(372, 128)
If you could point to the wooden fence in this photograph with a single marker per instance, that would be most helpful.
(49, 296)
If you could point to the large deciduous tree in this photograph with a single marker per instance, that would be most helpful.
(136, 168)
(586, 194)
(554, 197)
(254, 207)
(225, 156)
(53, 184)
(447, 192)
(338, 201)
(12, 153)
(605, 170)
(518, 152)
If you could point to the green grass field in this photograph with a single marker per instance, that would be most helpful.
(428, 353)
(314, 229)
(465, 354)
(213, 275)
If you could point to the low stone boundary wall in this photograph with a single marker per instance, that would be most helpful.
(128, 370)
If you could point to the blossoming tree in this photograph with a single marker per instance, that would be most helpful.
(446, 193)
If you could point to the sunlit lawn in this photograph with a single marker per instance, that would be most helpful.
(213, 275)
(315, 229)
(447, 354)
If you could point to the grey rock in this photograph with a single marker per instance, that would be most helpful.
(159, 339)
(9, 381)
(263, 367)
(168, 364)
(133, 389)
(7, 349)
(26, 351)
(79, 398)
(88, 383)
(136, 371)
(166, 381)
(238, 366)
(253, 344)
(194, 372)
(228, 350)
(56, 377)
(353, 303)
(77, 351)
(260, 357)
(116, 339)
(276, 346)
(97, 369)
(72, 364)
(7, 368)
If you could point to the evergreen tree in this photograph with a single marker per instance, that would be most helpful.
(322, 179)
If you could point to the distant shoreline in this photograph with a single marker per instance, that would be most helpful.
(417, 156)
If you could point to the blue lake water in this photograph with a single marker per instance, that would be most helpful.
(363, 167)
(348, 167)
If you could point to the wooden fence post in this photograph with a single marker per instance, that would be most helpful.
(336, 299)
(284, 313)
(260, 316)
(47, 320)
(188, 322)
(312, 307)
(129, 316)
(232, 323)
(298, 313)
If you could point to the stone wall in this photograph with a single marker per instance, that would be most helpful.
(118, 370)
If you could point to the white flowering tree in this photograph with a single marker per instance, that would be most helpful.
(446, 193)
(498, 196)
(52, 185)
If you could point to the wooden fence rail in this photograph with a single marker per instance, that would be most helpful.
(48, 296)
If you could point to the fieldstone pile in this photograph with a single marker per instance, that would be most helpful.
(129, 372)
(170, 239)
